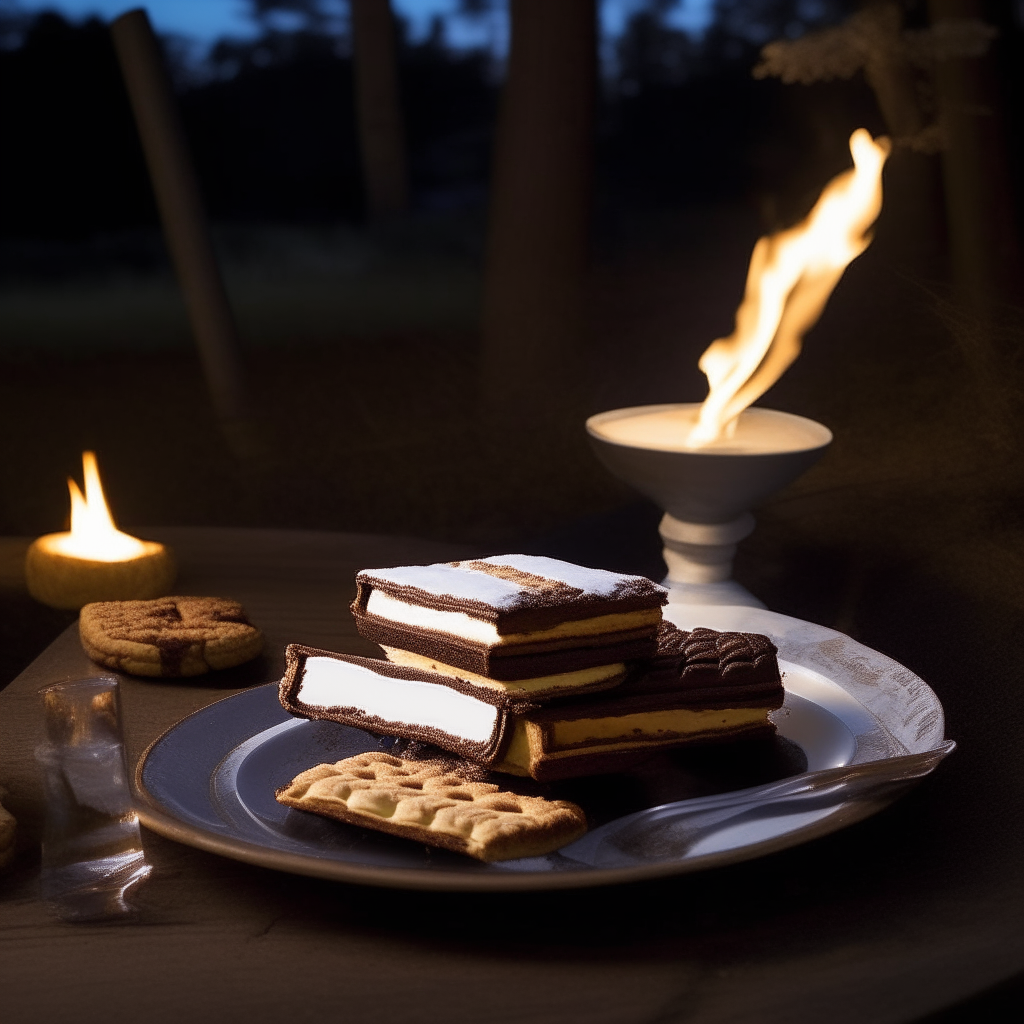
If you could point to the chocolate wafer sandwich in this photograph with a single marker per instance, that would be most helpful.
(520, 665)
(701, 686)
(396, 700)
(524, 625)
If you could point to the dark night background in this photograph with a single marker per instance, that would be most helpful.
(362, 339)
(363, 336)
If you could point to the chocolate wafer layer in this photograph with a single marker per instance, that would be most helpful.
(709, 665)
(515, 593)
(510, 617)
(508, 663)
(703, 687)
(553, 749)
(394, 700)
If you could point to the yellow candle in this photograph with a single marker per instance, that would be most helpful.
(95, 561)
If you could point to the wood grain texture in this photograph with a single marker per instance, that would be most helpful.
(891, 919)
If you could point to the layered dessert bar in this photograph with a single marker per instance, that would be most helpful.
(522, 624)
(701, 686)
(394, 700)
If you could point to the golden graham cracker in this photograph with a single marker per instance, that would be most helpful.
(429, 802)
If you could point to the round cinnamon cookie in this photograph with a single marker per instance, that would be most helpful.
(169, 636)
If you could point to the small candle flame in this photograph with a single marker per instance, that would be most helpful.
(93, 533)
(792, 274)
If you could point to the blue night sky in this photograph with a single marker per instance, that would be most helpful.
(207, 20)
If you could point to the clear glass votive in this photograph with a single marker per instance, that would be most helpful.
(92, 845)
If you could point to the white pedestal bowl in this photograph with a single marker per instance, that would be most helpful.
(707, 493)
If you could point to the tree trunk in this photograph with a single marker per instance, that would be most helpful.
(979, 203)
(185, 227)
(540, 211)
(889, 74)
(910, 229)
(379, 109)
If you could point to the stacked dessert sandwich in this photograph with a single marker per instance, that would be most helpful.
(534, 667)
(525, 625)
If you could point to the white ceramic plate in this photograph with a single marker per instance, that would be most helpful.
(210, 780)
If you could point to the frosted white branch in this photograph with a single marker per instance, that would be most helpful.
(871, 37)
(868, 35)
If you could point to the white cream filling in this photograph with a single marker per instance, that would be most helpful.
(327, 682)
(456, 623)
(465, 626)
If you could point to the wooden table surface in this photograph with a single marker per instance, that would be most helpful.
(889, 920)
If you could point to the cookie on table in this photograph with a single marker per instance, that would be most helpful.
(429, 802)
(168, 636)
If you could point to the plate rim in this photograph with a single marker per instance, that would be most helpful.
(158, 819)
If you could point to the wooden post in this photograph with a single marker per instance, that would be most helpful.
(912, 215)
(536, 257)
(379, 110)
(184, 223)
(979, 198)
(888, 72)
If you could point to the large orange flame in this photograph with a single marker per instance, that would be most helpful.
(792, 274)
(93, 533)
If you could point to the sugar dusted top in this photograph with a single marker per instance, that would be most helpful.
(513, 591)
